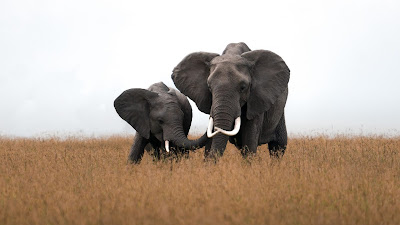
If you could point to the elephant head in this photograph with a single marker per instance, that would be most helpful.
(240, 83)
(159, 113)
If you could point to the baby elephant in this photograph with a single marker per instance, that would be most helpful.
(161, 116)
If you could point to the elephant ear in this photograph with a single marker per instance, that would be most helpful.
(190, 77)
(270, 78)
(133, 106)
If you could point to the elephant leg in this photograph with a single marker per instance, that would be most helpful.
(137, 149)
(207, 148)
(156, 154)
(156, 151)
(250, 133)
(277, 147)
(149, 148)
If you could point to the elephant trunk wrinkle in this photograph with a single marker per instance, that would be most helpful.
(223, 103)
(171, 133)
(224, 119)
(225, 107)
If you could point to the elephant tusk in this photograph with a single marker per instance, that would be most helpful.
(232, 132)
(210, 134)
(167, 146)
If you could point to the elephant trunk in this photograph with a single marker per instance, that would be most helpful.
(181, 141)
(226, 119)
(220, 140)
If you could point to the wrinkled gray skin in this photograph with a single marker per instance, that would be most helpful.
(240, 82)
(157, 114)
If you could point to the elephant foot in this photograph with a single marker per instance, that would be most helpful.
(247, 153)
(244, 150)
(212, 156)
(276, 153)
(133, 160)
(276, 150)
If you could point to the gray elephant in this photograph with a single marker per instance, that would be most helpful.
(245, 94)
(161, 116)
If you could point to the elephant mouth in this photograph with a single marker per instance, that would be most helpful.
(233, 132)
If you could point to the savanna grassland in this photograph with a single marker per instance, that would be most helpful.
(320, 180)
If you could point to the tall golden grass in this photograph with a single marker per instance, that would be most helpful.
(320, 180)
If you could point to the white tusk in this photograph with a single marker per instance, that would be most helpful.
(210, 134)
(167, 146)
(232, 132)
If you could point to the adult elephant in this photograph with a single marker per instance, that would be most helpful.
(161, 116)
(245, 94)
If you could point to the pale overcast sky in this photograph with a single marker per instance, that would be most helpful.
(62, 63)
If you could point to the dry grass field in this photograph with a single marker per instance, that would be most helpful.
(320, 180)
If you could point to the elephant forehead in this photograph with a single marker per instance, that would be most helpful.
(166, 103)
(167, 110)
(229, 69)
(230, 59)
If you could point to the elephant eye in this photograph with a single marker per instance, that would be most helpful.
(243, 87)
(160, 121)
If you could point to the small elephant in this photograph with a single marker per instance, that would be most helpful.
(161, 116)
(245, 94)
